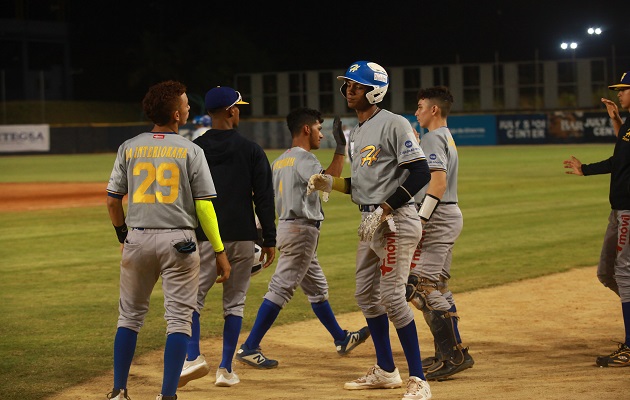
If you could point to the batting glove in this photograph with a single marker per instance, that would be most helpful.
(340, 138)
(321, 182)
(370, 224)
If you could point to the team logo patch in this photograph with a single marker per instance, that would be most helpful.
(158, 136)
(432, 156)
(408, 144)
(354, 68)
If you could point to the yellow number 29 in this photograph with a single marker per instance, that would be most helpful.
(159, 176)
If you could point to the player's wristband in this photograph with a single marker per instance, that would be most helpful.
(121, 232)
(219, 252)
(429, 204)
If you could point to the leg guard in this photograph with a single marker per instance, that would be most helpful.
(441, 326)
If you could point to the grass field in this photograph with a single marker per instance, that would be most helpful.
(523, 217)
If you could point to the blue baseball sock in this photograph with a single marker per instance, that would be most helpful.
(174, 356)
(193, 350)
(625, 307)
(124, 348)
(455, 324)
(327, 318)
(408, 337)
(267, 314)
(379, 329)
(231, 330)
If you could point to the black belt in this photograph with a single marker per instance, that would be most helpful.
(448, 202)
(372, 207)
(316, 224)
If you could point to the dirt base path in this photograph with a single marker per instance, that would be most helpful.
(535, 339)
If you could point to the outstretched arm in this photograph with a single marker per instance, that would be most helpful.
(613, 113)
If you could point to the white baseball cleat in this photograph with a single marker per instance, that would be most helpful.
(195, 369)
(376, 378)
(225, 378)
(417, 389)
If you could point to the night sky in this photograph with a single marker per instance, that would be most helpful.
(119, 48)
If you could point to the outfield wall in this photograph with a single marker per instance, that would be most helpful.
(468, 130)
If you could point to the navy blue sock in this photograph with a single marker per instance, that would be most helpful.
(193, 350)
(231, 330)
(379, 329)
(408, 337)
(267, 314)
(625, 307)
(327, 318)
(174, 356)
(455, 323)
(124, 348)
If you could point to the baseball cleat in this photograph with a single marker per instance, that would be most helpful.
(417, 389)
(225, 378)
(618, 358)
(448, 369)
(195, 369)
(376, 378)
(118, 394)
(254, 358)
(352, 340)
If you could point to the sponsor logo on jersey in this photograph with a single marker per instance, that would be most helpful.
(408, 144)
(432, 156)
(390, 257)
(158, 136)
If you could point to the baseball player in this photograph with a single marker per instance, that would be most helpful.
(388, 168)
(299, 219)
(613, 270)
(242, 176)
(442, 220)
(170, 186)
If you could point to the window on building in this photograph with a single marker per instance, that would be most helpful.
(326, 92)
(472, 90)
(498, 88)
(411, 79)
(244, 86)
(270, 94)
(297, 90)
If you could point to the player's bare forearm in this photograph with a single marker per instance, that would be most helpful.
(336, 165)
(437, 184)
(116, 211)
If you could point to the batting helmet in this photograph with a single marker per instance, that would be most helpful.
(258, 265)
(369, 74)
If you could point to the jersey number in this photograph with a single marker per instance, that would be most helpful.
(158, 175)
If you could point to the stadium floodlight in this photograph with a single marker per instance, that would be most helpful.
(594, 31)
(565, 45)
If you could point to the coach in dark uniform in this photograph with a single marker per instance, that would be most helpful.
(613, 270)
(242, 177)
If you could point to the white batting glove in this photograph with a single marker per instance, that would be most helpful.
(322, 182)
(371, 223)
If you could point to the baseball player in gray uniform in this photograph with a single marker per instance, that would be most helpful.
(169, 186)
(442, 223)
(299, 219)
(388, 168)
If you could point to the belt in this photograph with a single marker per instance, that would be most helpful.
(305, 221)
(372, 207)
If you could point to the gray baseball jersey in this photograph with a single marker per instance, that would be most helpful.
(163, 173)
(298, 229)
(379, 147)
(291, 172)
(441, 153)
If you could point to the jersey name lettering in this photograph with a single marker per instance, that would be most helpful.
(156, 152)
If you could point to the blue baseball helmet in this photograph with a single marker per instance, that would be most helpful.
(206, 121)
(369, 74)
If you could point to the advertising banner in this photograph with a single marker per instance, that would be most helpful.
(522, 129)
(24, 138)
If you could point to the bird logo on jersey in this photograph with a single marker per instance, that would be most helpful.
(371, 156)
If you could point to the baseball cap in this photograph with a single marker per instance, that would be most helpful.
(623, 84)
(223, 97)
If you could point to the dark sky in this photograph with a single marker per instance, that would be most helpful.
(119, 47)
